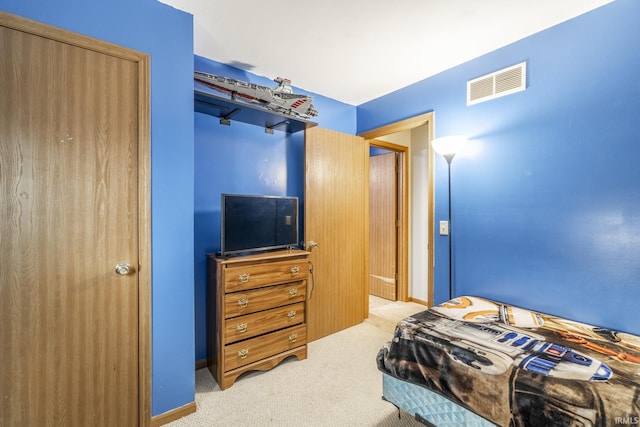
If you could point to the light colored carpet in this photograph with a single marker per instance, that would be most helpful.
(385, 314)
(337, 385)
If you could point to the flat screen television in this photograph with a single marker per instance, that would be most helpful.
(252, 223)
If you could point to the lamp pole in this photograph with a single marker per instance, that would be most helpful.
(448, 158)
(447, 147)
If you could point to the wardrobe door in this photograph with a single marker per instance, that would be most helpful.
(69, 233)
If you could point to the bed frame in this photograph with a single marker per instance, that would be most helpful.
(428, 407)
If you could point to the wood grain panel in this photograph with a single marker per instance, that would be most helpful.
(250, 301)
(69, 207)
(264, 346)
(251, 325)
(336, 206)
(383, 225)
(242, 277)
(265, 364)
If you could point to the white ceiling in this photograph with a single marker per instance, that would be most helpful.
(357, 50)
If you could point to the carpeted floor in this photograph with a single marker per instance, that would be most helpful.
(337, 385)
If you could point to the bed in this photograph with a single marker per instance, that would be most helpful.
(476, 362)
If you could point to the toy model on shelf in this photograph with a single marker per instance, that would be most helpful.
(280, 99)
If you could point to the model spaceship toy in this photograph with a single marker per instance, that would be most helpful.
(280, 99)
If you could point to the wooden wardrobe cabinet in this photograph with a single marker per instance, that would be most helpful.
(256, 312)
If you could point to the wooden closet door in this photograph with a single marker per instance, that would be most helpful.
(336, 218)
(69, 214)
(383, 228)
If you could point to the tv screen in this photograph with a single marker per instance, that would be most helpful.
(257, 223)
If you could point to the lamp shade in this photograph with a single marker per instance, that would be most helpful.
(449, 146)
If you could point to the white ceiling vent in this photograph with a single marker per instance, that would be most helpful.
(500, 83)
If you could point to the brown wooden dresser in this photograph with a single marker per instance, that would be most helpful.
(256, 312)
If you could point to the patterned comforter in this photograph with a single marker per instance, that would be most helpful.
(517, 367)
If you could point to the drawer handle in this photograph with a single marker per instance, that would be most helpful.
(295, 270)
(242, 354)
(293, 292)
(242, 327)
(243, 302)
(293, 337)
(291, 314)
(244, 278)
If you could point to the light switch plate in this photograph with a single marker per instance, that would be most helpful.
(444, 228)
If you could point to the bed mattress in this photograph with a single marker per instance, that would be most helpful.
(514, 366)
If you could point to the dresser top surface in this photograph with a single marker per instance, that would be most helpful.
(262, 256)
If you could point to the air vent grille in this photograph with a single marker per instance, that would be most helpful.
(481, 88)
(500, 83)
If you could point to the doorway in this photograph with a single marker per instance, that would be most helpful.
(415, 258)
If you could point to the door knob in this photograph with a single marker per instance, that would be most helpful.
(312, 245)
(123, 269)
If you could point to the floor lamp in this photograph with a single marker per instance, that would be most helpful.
(448, 147)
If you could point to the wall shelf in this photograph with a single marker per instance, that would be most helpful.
(228, 110)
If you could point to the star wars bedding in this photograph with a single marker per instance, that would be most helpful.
(517, 367)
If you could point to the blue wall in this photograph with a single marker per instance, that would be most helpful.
(242, 158)
(143, 25)
(546, 201)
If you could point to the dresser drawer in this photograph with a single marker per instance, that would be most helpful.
(241, 277)
(254, 349)
(251, 325)
(239, 303)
